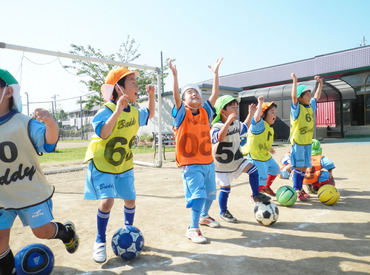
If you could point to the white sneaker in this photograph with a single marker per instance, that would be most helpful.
(100, 253)
(209, 221)
(195, 235)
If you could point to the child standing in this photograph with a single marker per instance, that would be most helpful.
(229, 161)
(194, 150)
(110, 172)
(301, 131)
(321, 172)
(24, 189)
(259, 145)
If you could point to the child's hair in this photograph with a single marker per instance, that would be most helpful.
(266, 111)
(230, 103)
(2, 83)
(120, 82)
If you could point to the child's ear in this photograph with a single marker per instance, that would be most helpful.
(8, 92)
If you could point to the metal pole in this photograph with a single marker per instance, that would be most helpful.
(159, 89)
(81, 115)
(72, 56)
(28, 105)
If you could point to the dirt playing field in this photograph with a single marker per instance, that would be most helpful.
(308, 238)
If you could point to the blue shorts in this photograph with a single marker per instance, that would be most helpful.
(265, 168)
(199, 182)
(300, 155)
(100, 185)
(34, 216)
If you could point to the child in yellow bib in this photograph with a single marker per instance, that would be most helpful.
(260, 138)
(301, 131)
(110, 172)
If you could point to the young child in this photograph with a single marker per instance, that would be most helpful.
(226, 150)
(259, 145)
(285, 167)
(321, 172)
(194, 150)
(301, 131)
(24, 189)
(110, 172)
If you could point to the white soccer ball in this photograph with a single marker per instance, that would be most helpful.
(127, 242)
(266, 213)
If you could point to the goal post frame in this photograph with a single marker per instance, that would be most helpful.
(112, 62)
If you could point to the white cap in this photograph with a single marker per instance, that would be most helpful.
(190, 86)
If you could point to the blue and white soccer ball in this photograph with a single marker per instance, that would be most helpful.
(34, 259)
(127, 242)
(266, 213)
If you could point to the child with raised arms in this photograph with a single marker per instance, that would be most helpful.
(24, 189)
(301, 131)
(192, 121)
(260, 138)
(110, 172)
(229, 161)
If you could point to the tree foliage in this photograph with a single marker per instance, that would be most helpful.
(95, 73)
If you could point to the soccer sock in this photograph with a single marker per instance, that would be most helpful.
(102, 222)
(7, 262)
(270, 180)
(298, 177)
(62, 233)
(222, 198)
(129, 215)
(254, 179)
(206, 207)
(195, 212)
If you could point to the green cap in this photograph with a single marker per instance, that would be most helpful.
(7, 77)
(221, 102)
(303, 88)
(316, 148)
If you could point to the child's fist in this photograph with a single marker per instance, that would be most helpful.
(150, 89)
(293, 76)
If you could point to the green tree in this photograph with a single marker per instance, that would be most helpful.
(96, 72)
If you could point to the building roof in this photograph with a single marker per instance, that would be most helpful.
(326, 65)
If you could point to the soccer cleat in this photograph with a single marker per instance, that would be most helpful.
(227, 216)
(261, 198)
(72, 245)
(209, 221)
(100, 253)
(268, 191)
(195, 235)
(301, 196)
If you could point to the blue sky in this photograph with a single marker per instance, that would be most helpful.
(248, 34)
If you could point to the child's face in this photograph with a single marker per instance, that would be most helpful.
(232, 108)
(131, 88)
(271, 116)
(192, 98)
(305, 98)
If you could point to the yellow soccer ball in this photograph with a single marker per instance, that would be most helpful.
(328, 194)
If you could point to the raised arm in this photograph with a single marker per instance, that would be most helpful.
(151, 96)
(51, 132)
(294, 89)
(212, 99)
(258, 113)
(319, 88)
(175, 89)
(252, 108)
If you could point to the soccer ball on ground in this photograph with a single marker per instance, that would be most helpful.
(266, 213)
(34, 259)
(286, 195)
(328, 194)
(127, 242)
